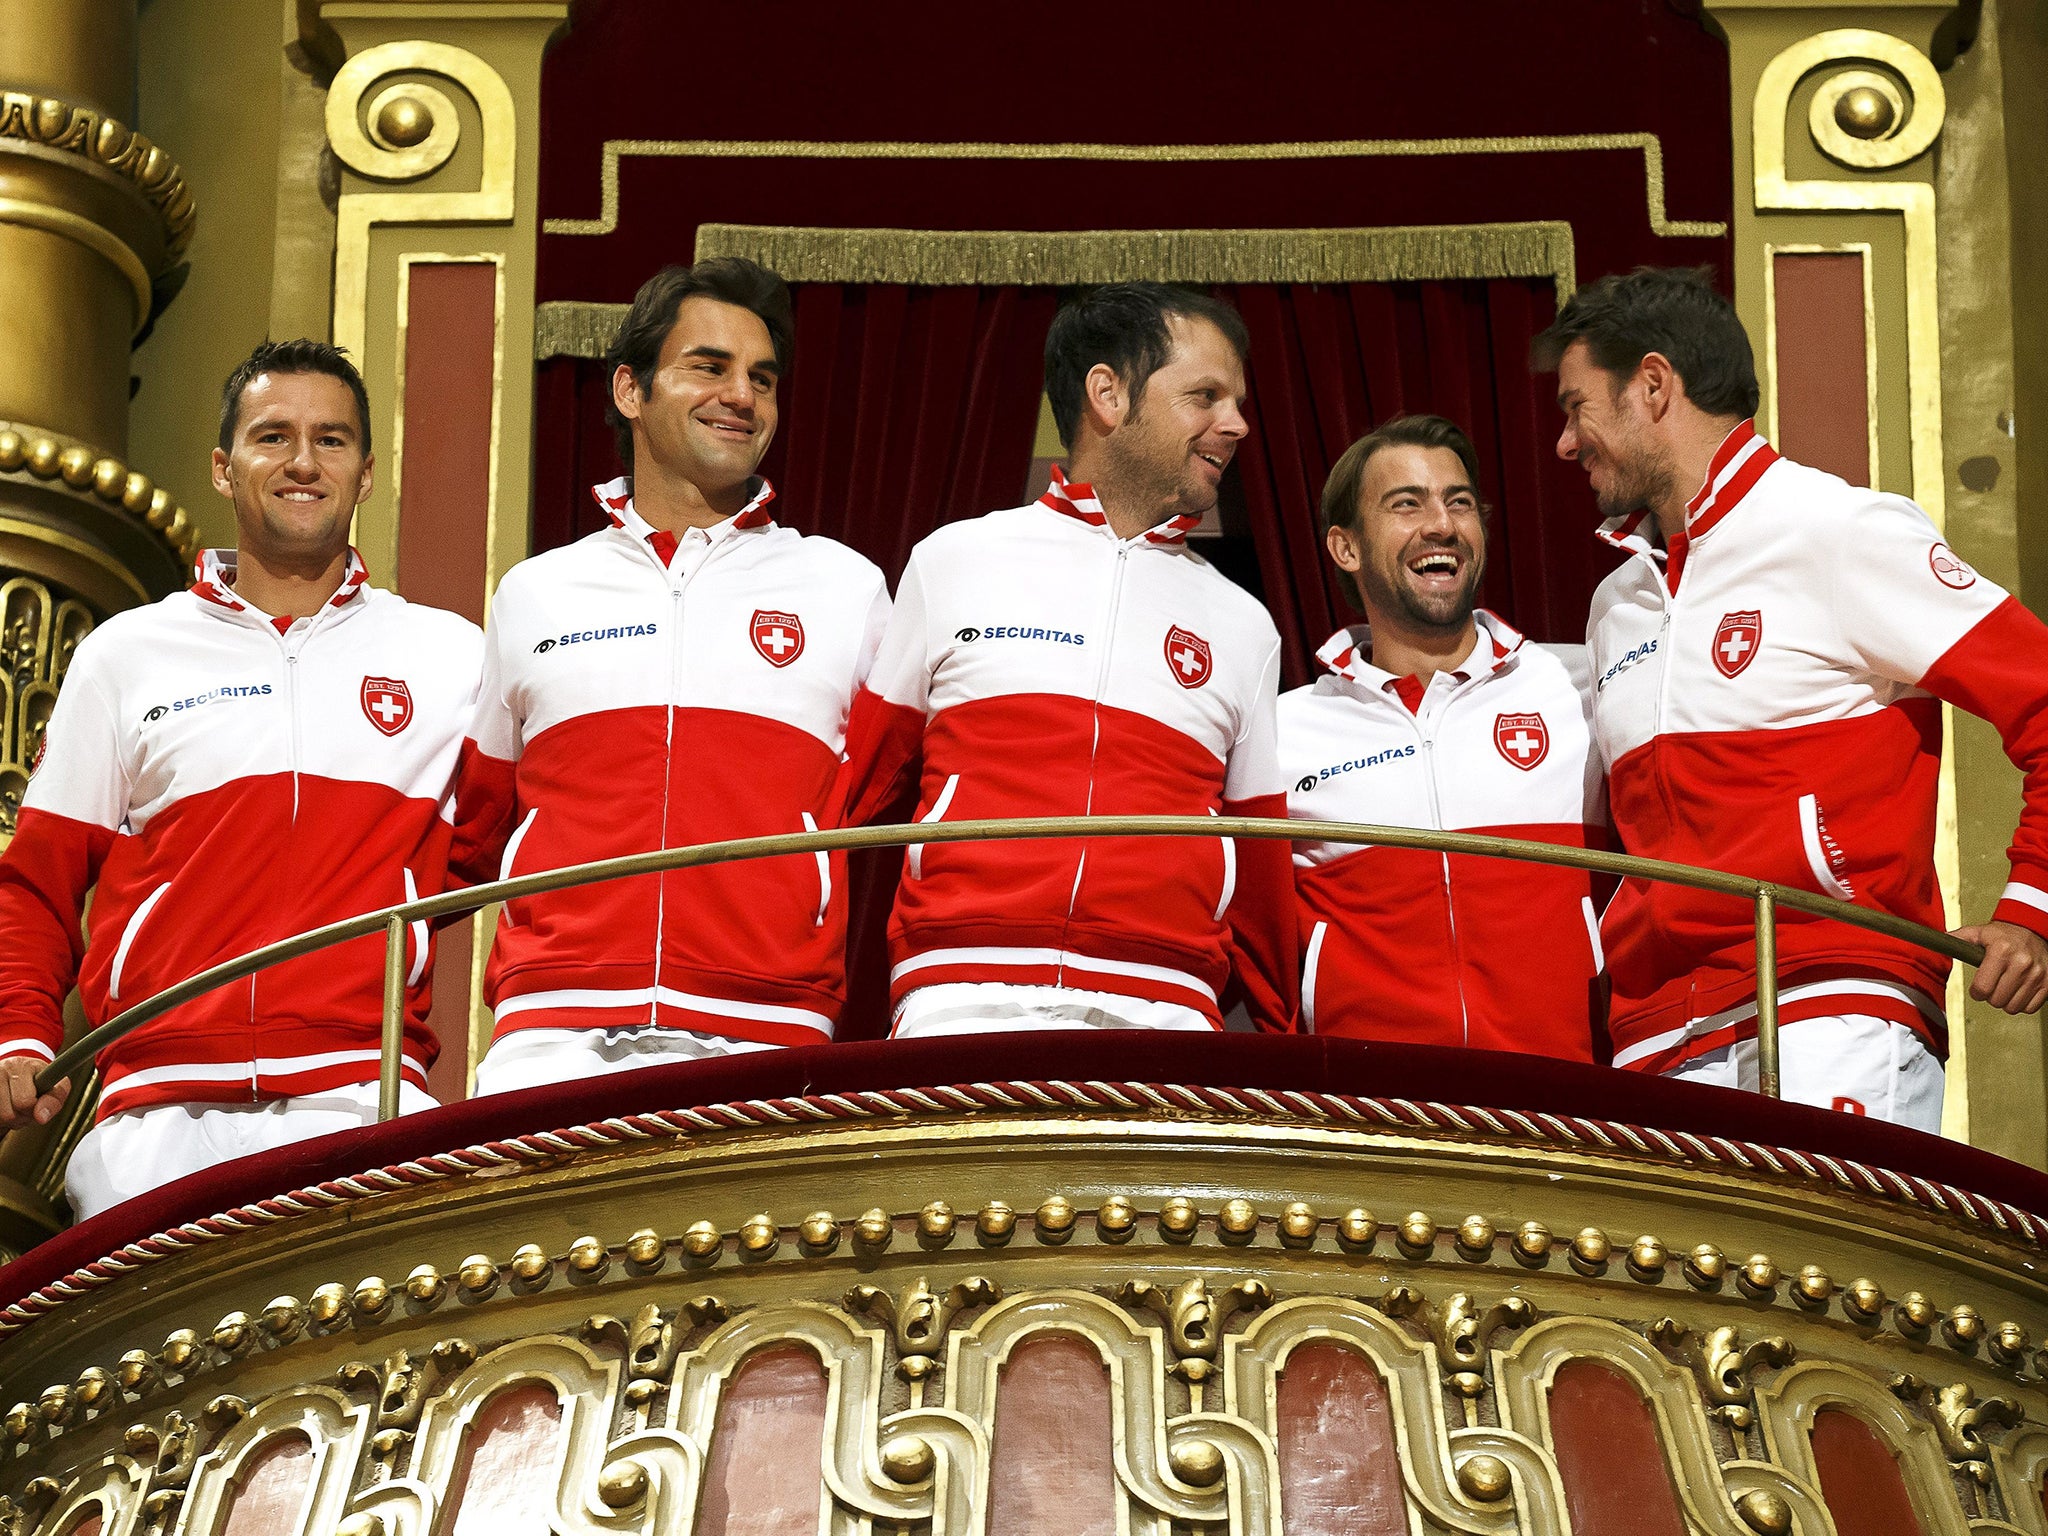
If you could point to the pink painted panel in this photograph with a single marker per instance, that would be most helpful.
(271, 1490)
(1340, 1473)
(505, 1482)
(767, 1473)
(1052, 1470)
(87, 1526)
(1859, 1478)
(1608, 1455)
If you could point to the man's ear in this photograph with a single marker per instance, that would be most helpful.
(1659, 384)
(626, 392)
(222, 482)
(1343, 548)
(369, 478)
(1103, 397)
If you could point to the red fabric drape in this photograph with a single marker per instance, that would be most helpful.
(1329, 363)
(904, 408)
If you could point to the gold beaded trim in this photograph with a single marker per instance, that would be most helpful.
(47, 456)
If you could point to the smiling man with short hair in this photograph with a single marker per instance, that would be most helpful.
(263, 754)
(1075, 657)
(681, 676)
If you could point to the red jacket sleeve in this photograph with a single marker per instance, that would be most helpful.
(1999, 671)
(885, 731)
(1264, 944)
(486, 775)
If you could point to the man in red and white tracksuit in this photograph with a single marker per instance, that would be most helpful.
(1769, 666)
(680, 677)
(1437, 714)
(1073, 657)
(263, 754)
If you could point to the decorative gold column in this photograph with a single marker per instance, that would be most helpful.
(94, 220)
(1851, 120)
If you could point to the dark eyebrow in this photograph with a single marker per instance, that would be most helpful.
(1423, 490)
(279, 424)
(721, 355)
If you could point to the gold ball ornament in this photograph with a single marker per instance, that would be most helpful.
(995, 1223)
(1298, 1225)
(818, 1233)
(1116, 1220)
(908, 1458)
(1475, 1239)
(1485, 1478)
(1238, 1221)
(404, 121)
(1199, 1462)
(1358, 1229)
(1864, 112)
(1054, 1221)
(1178, 1219)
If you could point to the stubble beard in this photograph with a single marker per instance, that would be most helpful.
(1446, 614)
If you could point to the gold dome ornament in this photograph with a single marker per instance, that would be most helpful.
(404, 121)
(1865, 112)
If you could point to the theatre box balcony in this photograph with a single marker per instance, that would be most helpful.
(1071, 1283)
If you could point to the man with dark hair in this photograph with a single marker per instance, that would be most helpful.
(1435, 713)
(1074, 657)
(682, 676)
(1768, 667)
(264, 754)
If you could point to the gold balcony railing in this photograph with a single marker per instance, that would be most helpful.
(1764, 896)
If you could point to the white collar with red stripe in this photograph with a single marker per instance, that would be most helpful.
(1348, 653)
(1077, 499)
(615, 499)
(1736, 466)
(213, 582)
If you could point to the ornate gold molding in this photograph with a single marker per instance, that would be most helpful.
(39, 629)
(104, 144)
(1393, 253)
(31, 453)
(1651, 149)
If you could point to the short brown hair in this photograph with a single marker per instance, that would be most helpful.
(728, 279)
(1675, 311)
(298, 356)
(1123, 325)
(1347, 475)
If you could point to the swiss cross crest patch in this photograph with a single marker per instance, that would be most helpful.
(779, 637)
(387, 704)
(1523, 740)
(1736, 641)
(1187, 657)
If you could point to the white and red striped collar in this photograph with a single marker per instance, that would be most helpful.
(1736, 466)
(615, 499)
(213, 581)
(1348, 653)
(1077, 499)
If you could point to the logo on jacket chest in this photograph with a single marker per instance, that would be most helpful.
(1187, 657)
(1523, 740)
(387, 704)
(1737, 639)
(779, 637)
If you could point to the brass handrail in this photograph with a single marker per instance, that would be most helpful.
(1765, 896)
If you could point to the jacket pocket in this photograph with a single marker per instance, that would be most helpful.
(1310, 964)
(1229, 873)
(914, 856)
(421, 943)
(513, 842)
(1824, 855)
(128, 933)
(824, 874)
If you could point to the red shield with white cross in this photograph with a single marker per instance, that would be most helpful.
(387, 704)
(779, 637)
(1737, 641)
(1187, 657)
(1523, 740)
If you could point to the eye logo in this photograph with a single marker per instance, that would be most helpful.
(967, 636)
(1306, 783)
(156, 714)
(544, 647)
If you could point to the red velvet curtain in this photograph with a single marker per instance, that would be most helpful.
(1330, 362)
(904, 408)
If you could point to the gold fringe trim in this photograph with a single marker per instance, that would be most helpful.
(1045, 259)
(1647, 144)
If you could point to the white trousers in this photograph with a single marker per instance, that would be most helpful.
(994, 1007)
(1852, 1063)
(529, 1058)
(138, 1150)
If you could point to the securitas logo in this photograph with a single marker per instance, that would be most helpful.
(1641, 653)
(581, 636)
(232, 691)
(1352, 765)
(1018, 632)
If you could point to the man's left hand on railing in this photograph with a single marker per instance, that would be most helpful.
(2014, 974)
(19, 1103)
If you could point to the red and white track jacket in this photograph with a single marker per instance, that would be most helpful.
(1441, 949)
(1765, 700)
(1041, 666)
(642, 692)
(227, 780)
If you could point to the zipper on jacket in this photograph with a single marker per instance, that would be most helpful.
(668, 763)
(1116, 594)
(1436, 820)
